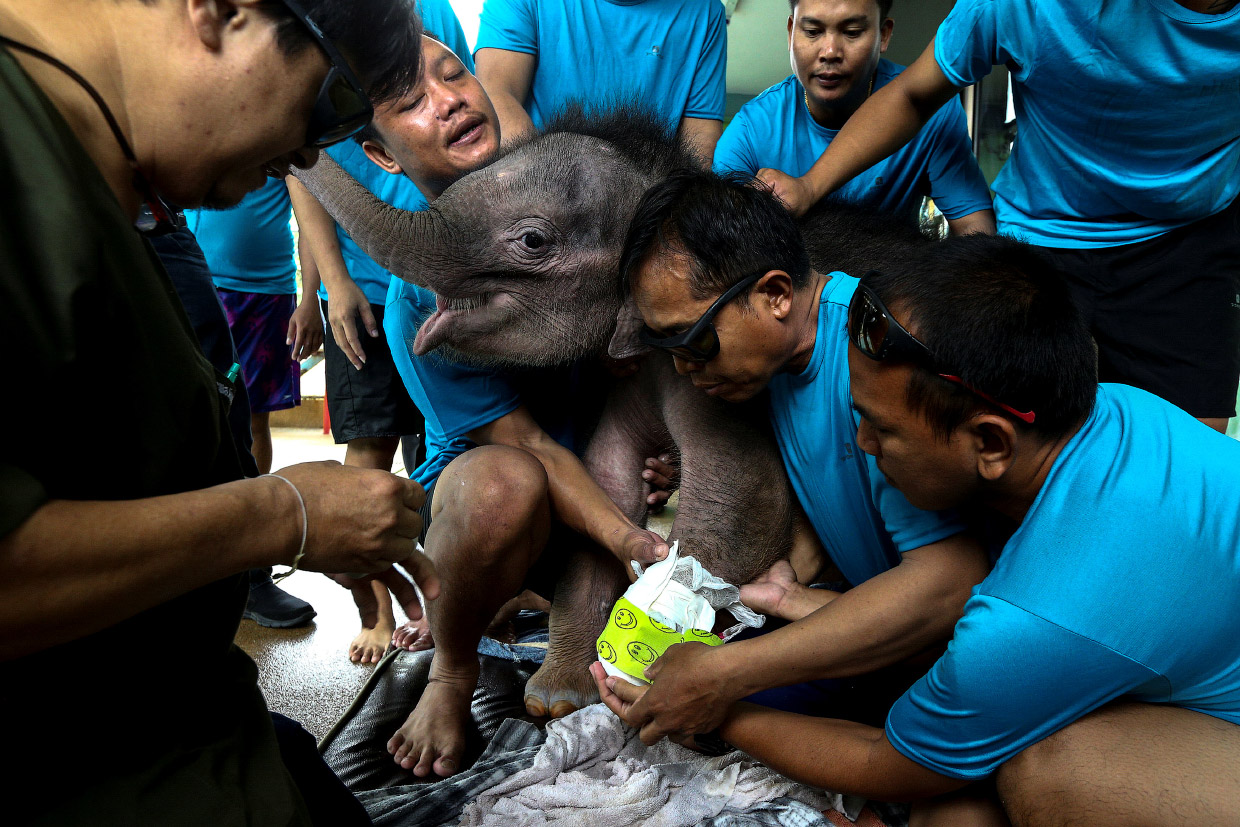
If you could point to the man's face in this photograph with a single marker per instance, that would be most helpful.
(443, 129)
(835, 46)
(747, 357)
(258, 127)
(933, 474)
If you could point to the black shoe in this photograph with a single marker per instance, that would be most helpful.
(269, 605)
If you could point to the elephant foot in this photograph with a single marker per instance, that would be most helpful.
(560, 688)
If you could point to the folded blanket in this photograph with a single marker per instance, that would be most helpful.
(594, 770)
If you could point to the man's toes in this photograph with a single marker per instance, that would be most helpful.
(396, 746)
(445, 766)
(424, 765)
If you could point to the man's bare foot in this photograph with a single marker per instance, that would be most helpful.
(433, 736)
(370, 644)
(413, 636)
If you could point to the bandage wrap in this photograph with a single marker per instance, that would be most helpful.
(633, 640)
(673, 601)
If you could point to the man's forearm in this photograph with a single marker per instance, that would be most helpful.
(883, 621)
(73, 568)
(835, 755)
(317, 235)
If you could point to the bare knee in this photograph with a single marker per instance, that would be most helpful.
(501, 490)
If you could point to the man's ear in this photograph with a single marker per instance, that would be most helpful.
(993, 439)
(884, 34)
(625, 343)
(379, 156)
(774, 291)
(209, 18)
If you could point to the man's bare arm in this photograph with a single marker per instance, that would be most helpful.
(507, 77)
(577, 499)
(883, 124)
(73, 568)
(982, 221)
(882, 621)
(701, 135)
(347, 304)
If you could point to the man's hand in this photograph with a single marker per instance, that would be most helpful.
(663, 478)
(360, 520)
(796, 193)
(776, 592)
(689, 694)
(305, 328)
(642, 545)
(346, 304)
(402, 590)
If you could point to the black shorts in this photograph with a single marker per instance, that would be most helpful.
(1166, 312)
(371, 402)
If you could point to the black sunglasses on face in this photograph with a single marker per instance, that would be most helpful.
(342, 106)
(700, 343)
(876, 333)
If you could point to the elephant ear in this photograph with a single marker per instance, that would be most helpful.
(625, 343)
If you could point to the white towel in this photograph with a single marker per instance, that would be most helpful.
(594, 770)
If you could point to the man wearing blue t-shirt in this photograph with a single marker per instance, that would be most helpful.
(534, 56)
(910, 570)
(1126, 170)
(1095, 675)
(836, 48)
(500, 472)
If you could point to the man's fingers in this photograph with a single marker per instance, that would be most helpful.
(368, 319)
(364, 597)
(346, 337)
(423, 572)
(627, 692)
(609, 698)
(403, 591)
(414, 494)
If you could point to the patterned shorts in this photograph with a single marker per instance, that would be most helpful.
(259, 325)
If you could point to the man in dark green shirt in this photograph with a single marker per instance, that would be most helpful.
(120, 592)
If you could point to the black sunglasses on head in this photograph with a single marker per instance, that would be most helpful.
(342, 106)
(876, 333)
(700, 343)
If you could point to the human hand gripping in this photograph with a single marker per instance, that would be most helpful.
(689, 693)
(363, 521)
(305, 329)
(642, 545)
(796, 193)
(663, 478)
(346, 305)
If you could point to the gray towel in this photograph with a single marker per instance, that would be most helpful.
(594, 770)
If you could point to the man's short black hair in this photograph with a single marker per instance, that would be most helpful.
(381, 39)
(370, 132)
(726, 228)
(996, 313)
(884, 8)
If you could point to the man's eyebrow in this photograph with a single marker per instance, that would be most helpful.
(864, 413)
(848, 21)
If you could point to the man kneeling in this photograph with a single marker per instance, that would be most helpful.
(1095, 674)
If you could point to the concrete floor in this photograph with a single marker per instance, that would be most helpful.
(306, 673)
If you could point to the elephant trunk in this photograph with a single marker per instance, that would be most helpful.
(398, 240)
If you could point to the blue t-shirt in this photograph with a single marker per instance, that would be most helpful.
(250, 246)
(1126, 110)
(457, 398)
(776, 130)
(671, 54)
(397, 190)
(1121, 581)
(863, 522)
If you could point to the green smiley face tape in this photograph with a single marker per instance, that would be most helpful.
(633, 640)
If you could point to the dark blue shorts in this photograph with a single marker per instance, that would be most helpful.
(259, 324)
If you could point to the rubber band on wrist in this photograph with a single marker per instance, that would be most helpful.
(305, 525)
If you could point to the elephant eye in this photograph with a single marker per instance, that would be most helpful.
(533, 240)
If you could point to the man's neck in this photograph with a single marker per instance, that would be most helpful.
(804, 318)
(1022, 482)
(82, 35)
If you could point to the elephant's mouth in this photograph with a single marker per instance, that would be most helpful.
(449, 316)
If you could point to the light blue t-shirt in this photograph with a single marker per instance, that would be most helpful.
(397, 190)
(1122, 580)
(250, 246)
(776, 130)
(863, 522)
(1126, 113)
(457, 398)
(671, 54)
